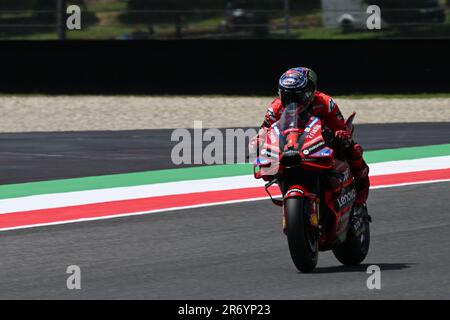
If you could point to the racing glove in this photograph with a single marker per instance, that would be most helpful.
(344, 137)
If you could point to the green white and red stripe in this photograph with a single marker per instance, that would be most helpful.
(91, 198)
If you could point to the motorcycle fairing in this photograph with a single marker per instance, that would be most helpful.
(315, 153)
(340, 195)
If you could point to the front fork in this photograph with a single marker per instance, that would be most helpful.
(314, 216)
(291, 188)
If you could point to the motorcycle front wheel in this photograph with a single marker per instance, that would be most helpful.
(303, 244)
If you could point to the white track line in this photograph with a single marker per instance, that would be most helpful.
(58, 200)
(404, 166)
(186, 208)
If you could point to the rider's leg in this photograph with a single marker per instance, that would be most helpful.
(360, 171)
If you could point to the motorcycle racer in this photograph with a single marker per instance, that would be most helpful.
(299, 85)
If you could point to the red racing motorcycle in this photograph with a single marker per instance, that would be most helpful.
(317, 188)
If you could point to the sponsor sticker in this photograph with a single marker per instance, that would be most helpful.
(267, 153)
(314, 130)
(323, 153)
(313, 122)
(289, 82)
(346, 198)
(313, 148)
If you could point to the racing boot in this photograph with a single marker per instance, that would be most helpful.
(360, 172)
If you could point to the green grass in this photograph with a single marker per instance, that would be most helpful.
(210, 23)
(321, 33)
(89, 33)
(33, 36)
(331, 33)
(107, 6)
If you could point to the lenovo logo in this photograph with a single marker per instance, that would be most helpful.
(346, 198)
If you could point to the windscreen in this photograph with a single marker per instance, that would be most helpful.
(293, 118)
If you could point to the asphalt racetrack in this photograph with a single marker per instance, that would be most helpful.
(234, 251)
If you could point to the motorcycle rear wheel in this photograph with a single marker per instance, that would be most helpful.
(303, 246)
(354, 249)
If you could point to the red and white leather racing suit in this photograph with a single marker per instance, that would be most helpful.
(326, 108)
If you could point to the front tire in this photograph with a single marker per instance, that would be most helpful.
(303, 245)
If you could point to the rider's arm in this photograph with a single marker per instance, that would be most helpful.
(270, 117)
(333, 116)
(272, 114)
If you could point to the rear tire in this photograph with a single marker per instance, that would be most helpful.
(354, 249)
(304, 248)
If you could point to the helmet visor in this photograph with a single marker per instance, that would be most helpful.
(302, 99)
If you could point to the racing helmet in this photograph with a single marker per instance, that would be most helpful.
(298, 85)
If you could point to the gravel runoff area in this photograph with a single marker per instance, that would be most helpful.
(81, 113)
